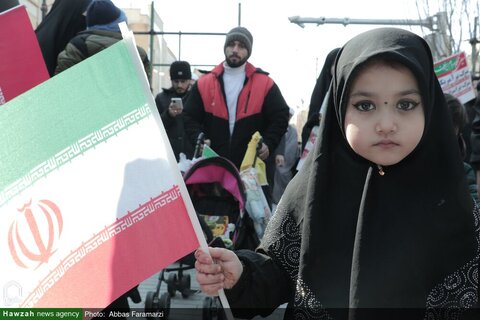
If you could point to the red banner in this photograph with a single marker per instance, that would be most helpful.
(22, 66)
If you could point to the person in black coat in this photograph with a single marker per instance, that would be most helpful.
(474, 139)
(235, 100)
(8, 4)
(172, 114)
(65, 19)
(319, 92)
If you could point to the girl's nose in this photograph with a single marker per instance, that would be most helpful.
(386, 123)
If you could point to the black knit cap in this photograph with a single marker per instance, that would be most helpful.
(101, 12)
(240, 34)
(180, 70)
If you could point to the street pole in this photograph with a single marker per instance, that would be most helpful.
(473, 42)
(300, 21)
(239, 14)
(439, 40)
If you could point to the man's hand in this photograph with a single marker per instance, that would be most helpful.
(174, 110)
(205, 142)
(263, 153)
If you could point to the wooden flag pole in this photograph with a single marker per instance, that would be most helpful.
(129, 38)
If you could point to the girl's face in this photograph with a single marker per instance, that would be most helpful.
(384, 119)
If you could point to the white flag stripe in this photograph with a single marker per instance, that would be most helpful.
(68, 154)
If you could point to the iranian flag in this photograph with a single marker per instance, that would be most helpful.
(91, 200)
(22, 66)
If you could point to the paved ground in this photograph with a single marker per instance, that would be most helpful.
(184, 308)
(189, 307)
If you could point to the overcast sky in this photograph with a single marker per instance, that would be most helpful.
(293, 55)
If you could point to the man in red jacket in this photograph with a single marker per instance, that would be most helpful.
(235, 100)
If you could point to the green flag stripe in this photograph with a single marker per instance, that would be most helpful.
(66, 155)
(60, 112)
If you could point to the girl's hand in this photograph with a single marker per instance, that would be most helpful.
(223, 274)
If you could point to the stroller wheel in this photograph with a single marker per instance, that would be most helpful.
(151, 302)
(172, 284)
(185, 285)
(164, 305)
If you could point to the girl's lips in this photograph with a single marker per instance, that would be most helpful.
(386, 144)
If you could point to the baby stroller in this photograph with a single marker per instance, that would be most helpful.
(218, 196)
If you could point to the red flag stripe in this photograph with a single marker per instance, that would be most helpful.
(164, 219)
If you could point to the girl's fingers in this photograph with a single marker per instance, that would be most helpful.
(201, 256)
(207, 268)
(211, 290)
(208, 279)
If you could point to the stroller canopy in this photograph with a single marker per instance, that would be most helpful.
(220, 170)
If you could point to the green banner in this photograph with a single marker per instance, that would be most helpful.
(446, 66)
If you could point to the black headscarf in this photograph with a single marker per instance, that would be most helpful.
(391, 241)
(64, 20)
(319, 92)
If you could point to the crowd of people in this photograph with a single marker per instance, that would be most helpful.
(382, 213)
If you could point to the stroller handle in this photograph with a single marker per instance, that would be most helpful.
(198, 145)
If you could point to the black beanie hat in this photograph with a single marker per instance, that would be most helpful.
(180, 70)
(240, 34)
(101, 12)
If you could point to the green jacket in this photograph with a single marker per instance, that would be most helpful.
(87, 43)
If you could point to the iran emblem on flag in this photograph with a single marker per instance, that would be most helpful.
(91, 198)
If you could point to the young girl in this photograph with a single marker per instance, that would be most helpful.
(380, 219)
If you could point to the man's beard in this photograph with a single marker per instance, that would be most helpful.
(181, 94)
(237, 63)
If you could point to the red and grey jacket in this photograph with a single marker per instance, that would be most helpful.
(260, 107)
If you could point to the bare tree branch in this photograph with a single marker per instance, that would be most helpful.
(461, 21)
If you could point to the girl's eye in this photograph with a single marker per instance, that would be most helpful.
(407, 105)
(364, 106)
